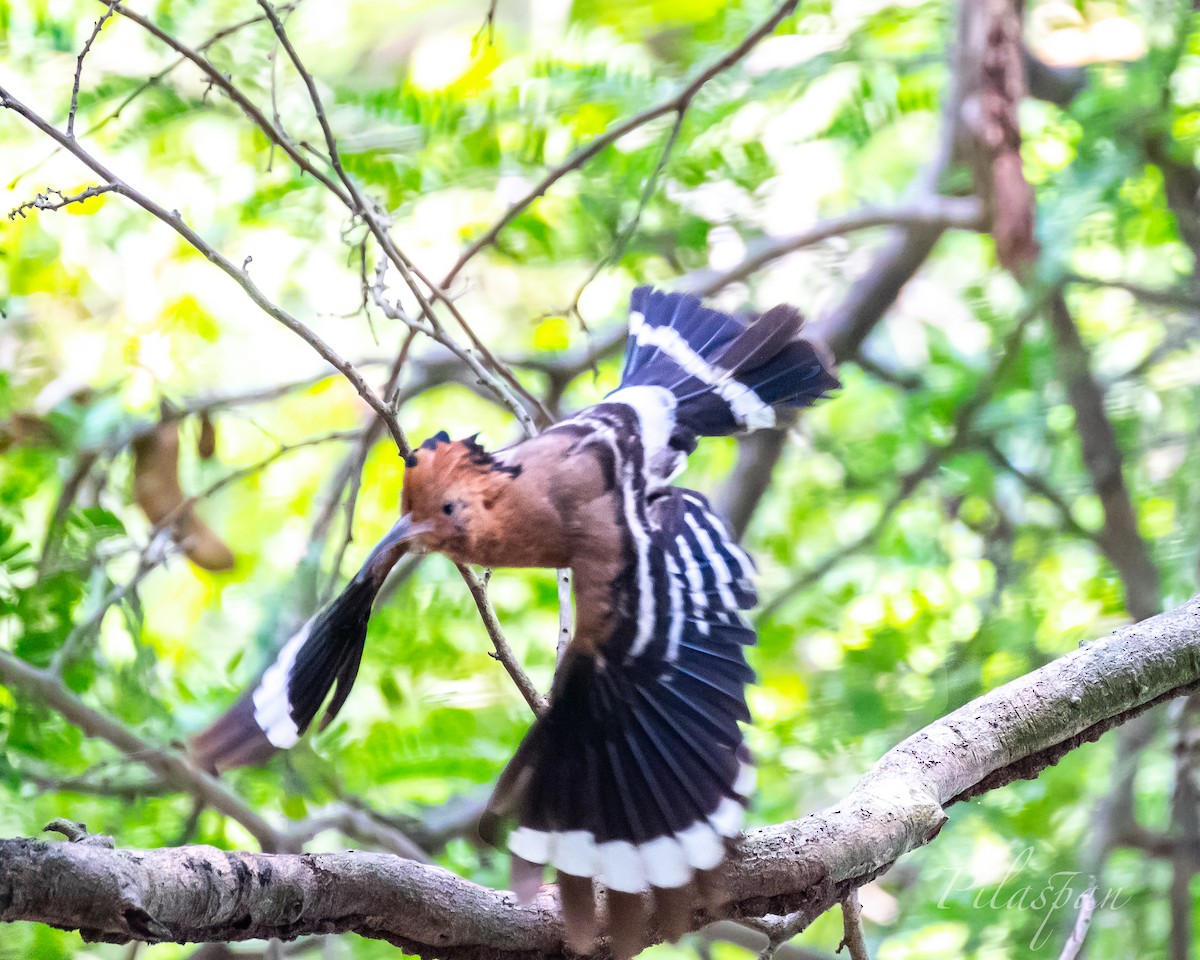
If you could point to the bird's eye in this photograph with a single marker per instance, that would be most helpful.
(447, 508)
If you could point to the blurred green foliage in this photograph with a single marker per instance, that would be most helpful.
(973, 580)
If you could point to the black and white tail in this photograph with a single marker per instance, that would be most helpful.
(637, 776)
(324, 653)
(727, 374)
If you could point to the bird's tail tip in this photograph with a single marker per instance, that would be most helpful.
(633, 783)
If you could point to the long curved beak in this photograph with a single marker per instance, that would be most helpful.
(392, 547)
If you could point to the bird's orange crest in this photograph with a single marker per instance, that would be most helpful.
(448, 484)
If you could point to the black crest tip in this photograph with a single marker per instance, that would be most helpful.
(440, 437)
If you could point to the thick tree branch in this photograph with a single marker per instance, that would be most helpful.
(802, 867)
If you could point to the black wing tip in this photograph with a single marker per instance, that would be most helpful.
(325, 654)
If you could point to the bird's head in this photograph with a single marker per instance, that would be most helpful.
(449, 488)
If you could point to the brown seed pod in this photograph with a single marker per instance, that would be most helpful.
(206, 446)
(157, 491)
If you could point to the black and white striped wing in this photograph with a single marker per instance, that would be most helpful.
(638, 775)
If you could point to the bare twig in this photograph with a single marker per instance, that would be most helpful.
(624, 235)
(356, 463)
(503, 653)
(1178, 299)
(931, 212)
(82, 466)
(678, 103)
(348, 194)
(908, 484)
(1038, 486)
(79, 69)
(257, 467)
(157, 549)
(175, 221)
(488, 27)
(363, 208)
(223, 34)
(155, 553)
(51, 199)
(360, 825)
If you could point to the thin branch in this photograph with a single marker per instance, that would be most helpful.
(122, 788)
(908, 484)
(221, 82)
(172, 766)
(155, 553)
(79, 70)
(220, 35)
(251, 469)
(239, 275)
(503, 652)
(1177, 299)
(346, 192)
(81, 468)
(677, 103)
(361, 207)
(749, 936)
(932, 212)
(1039, 487)
(355, 465)
(360, 825)
(349, 196)
(624, 235)
(488, 26)
(52, 199)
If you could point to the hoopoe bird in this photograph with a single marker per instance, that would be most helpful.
(636, 777)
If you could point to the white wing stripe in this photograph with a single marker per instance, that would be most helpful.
(677, 614)
(724, 578)
(747, 407)
(272, 705)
